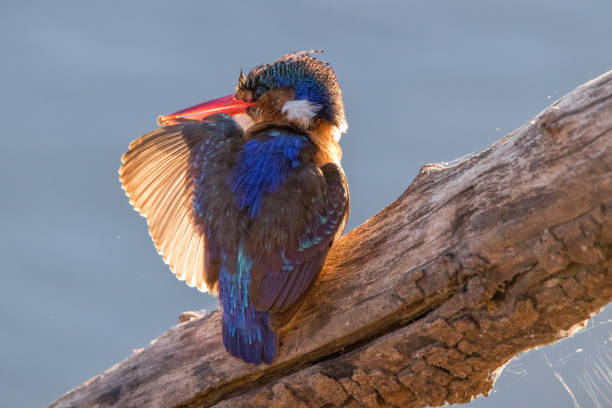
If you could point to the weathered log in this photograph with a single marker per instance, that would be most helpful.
(424, 303)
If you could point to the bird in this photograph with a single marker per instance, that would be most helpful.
(244, 195)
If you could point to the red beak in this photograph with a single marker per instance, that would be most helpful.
(228, 104)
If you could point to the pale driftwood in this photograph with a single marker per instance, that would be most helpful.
(474, 263)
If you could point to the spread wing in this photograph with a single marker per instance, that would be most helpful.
(157, 175)
(280, 280)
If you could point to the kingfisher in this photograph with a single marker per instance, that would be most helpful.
(244, 195)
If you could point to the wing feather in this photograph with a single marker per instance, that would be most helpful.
(279, 290)
(156, 174)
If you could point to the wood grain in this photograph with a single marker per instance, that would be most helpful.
(422, 304)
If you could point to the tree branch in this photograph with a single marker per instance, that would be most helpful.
(425, 302)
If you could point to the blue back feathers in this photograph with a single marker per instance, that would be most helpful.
(263, 166)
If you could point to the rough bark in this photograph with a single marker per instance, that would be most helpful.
(425, 302)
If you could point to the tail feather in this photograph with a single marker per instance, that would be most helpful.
(254, 345)
(246, 330)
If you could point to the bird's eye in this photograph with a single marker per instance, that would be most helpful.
(260, 90)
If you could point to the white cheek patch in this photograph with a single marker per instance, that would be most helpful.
(301, 111)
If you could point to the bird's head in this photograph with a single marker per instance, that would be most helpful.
(298, 89)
